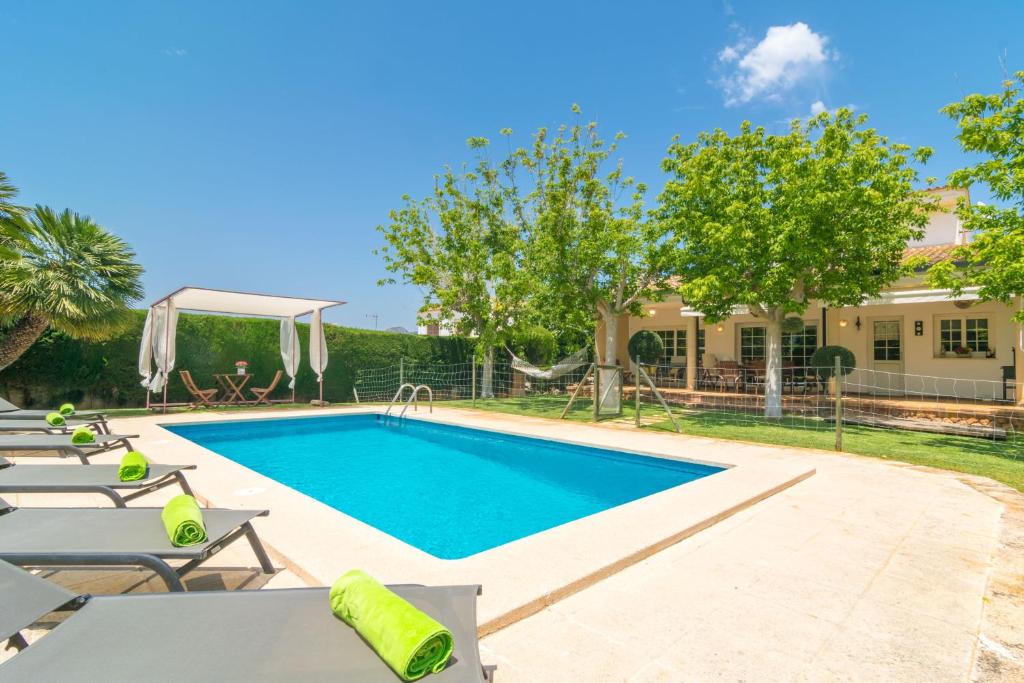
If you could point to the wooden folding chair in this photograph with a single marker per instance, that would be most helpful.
(262, 393)
(202, 397)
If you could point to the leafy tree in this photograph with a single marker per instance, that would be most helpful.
(463, 247)
(992, 125)
(591, 247)
(774, 222)
(646, 345)
(68, 273)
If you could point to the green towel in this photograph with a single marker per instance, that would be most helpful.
(82, 435)
(409, 641)
(184, 521)
(66, 409)
(133, 466)
(55, 420)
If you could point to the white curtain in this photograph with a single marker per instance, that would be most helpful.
(146, 350)
(160, 331)
(290, 351)
(317, 345)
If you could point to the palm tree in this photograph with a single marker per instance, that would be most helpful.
(69, 274)
(9, 236)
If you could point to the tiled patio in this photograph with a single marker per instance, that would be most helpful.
(866, 571)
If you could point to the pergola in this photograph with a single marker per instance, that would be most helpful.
(160, 331)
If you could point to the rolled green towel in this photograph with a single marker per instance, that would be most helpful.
(66, 409)
(82, 435)
(409, 641)
(133, 466)
(183, 521)
(55, 420)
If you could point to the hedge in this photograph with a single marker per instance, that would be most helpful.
(104, 374)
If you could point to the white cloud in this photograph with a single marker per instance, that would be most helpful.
(786, 56)
(728, 54)
(817, 107)
(175, 52)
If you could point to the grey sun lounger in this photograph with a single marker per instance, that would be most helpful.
(100, 479)
(9, 411)
(47, 444)
(41, 425)
(68, 537)
(227, 636)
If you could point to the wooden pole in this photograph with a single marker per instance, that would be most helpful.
(839, 404)
(472, 386)
(597, 393)
(586, 375)
(637, 373)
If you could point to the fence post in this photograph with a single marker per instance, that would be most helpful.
(472, 386)
(597, 392)
(637, 373)
(401, 371)
(839, 404)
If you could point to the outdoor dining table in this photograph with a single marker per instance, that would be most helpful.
(232, 384)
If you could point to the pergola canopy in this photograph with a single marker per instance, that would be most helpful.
(244, 303)
(158, 335)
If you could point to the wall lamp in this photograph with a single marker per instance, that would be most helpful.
(844, 322)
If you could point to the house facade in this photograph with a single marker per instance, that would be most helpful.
(911, 340)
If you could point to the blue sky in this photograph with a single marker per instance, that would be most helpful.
(256, 145)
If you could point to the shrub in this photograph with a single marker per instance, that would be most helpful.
(647, 345)
(824, 361)
(104, 374)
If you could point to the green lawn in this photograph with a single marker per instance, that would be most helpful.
(999, 460)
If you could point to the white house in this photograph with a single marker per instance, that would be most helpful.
(911, 339)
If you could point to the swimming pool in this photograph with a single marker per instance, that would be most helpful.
(447, 490)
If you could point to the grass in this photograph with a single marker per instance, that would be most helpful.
(999, 460)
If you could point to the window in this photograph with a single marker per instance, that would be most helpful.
(887, 345)
(752, 343)
(976, 338)
(797, 347)
(963, 332)
(949, 334)
(675, 345)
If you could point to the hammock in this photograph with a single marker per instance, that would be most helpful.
(564, 366)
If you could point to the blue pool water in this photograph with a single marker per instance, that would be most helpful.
(450, 491)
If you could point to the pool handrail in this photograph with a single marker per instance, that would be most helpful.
(415, 393)
(398, 395)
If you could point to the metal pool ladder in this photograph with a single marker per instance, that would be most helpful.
(412, 398)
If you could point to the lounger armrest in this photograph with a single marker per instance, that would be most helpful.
(161, 568)
(110, 493)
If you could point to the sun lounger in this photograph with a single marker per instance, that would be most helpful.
(9, 411)
(118, 537)
(100, 479)
(41, 425)
(245, 635)
(60, 444)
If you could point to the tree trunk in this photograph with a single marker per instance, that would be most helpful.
(773, 366)
(611, 339)
(24, 333)
(487, 381)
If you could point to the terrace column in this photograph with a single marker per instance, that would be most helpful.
(691, 352)
(1018, 342)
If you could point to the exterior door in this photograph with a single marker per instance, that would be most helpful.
(887, 356)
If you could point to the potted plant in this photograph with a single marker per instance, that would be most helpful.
(990, 352)
(240, 366)
(962, 351)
